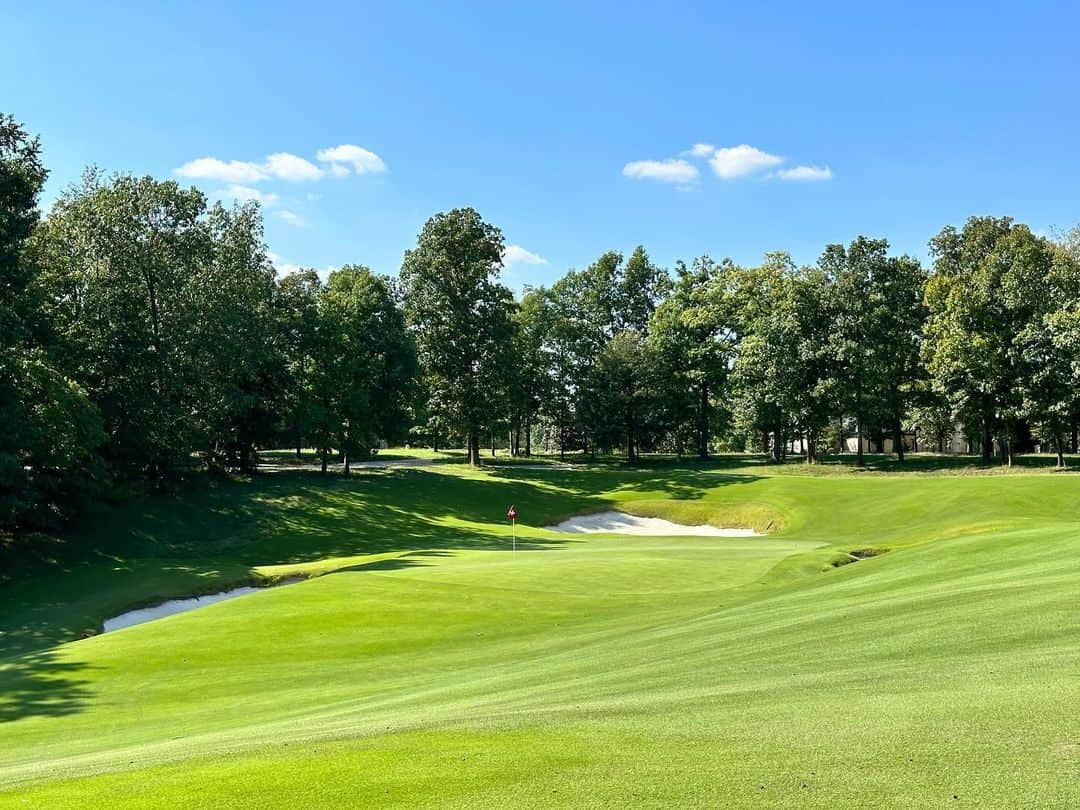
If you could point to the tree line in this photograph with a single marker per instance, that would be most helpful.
(145, 333)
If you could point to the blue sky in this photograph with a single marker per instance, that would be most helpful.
(570, 126)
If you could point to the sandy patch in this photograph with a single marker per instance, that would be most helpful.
(173, 606)
(621, 523)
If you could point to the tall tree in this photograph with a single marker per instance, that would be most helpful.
(460, 316)
(1048, 348)
(123, 261)
(50, 429)
(988, 284)
(531, 365)
(241, 376)
(764, 373)
(367, 361)
(693, 340)
(297, 308)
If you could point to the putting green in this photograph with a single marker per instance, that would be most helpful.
(432, 666)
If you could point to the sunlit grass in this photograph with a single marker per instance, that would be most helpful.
(426, 664)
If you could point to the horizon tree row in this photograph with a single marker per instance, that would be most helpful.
(145, 333)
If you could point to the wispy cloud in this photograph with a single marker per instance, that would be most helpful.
(339, 161)
(726, 162)
(671, 170)
(291, 218)
(245, 193)
(230, 171)
(285, 268)
(290, 167)
(729, 162)
(516, 254)
(700, 150)
(349, 156)
(804, 173)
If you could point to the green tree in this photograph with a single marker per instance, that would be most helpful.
(1048, 348)
(764, 378)
(238, 355)
(783, 380)
(531, 365)
(123, 274)
(50, 430)
(693, 340)
(460, 316)
(609, 297)
(988, 285)
(297, 312)
(367, 362)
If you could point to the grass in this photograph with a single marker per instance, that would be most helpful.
(427, 665)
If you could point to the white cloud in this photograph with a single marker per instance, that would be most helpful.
(291, 218)
(342, 157)
(737, 161)
(804, 173)
(700, 150)
(282, 165)
(244, 193)
(291, 167)
(667, 171)
(232, 171)
(288, 268)
(516, 254)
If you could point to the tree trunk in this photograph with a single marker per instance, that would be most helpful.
(1075, 436)
(858, 441)
(1059, 442)
(898, 437)
(986, 442)
(528, 437)
(299, 411)
(493, 443)
(811, 447)
(703, 422)
(631, 452)
(325, 453)
(474, 447)
(778, 445)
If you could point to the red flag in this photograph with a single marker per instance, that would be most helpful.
(511, 512)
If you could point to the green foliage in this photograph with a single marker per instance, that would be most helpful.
(460, 316)
(48, 429)
(164, 312)
(692, 336)
(365, 363)
(992, 286)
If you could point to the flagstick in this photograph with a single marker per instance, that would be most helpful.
(513, 524)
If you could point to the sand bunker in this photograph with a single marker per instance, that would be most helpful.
(133, 617)
(621, 523)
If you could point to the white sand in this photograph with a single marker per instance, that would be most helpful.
(141, 615)
(621, 523)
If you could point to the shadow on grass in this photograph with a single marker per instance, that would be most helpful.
(39, 685)
(213, 535)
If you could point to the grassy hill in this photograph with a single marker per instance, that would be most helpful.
(427, 665)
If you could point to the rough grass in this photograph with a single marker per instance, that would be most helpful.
(430, 666)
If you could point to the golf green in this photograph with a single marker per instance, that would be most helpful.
(426, 664)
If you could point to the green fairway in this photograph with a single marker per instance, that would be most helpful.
(425, 664)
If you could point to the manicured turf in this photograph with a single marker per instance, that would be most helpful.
(431, 666)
